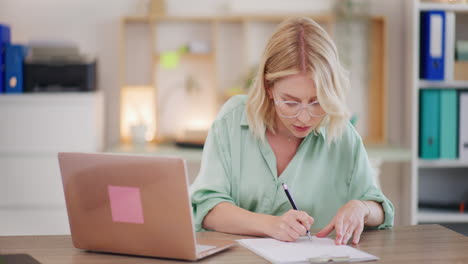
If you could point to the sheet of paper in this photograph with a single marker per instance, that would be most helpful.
(302, 250)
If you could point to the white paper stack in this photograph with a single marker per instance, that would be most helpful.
(303, 250)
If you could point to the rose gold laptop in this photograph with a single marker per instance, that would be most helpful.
(134, 205)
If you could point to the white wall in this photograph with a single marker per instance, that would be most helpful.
(92, 25)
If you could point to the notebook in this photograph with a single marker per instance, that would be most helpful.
(317, 250)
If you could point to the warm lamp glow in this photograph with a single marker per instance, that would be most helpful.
(198, 124)
(137, 112)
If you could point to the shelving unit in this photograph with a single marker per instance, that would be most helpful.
(439, 179)
(235, 47)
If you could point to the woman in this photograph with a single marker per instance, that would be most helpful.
(292, 128)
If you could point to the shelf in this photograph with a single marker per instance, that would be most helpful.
(130, 86)
(59, 97)
(389, 153)
(234, 39)
(136, 19)
(442, 164)
(326, 18)
(441, 216)
(189, 154)
(434, 179)
(445, 7)
(423, 84)
(191, 56)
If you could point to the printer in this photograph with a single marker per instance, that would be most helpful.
(58, 67)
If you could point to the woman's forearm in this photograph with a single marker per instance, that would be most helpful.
(228, 218)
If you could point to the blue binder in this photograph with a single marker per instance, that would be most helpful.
(14, 58)
(432, 45)
(5, 38)
(429, 134)
(5, 35)
(448, 124)
(2, 67)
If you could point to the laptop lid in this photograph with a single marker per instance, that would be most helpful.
(136, 205)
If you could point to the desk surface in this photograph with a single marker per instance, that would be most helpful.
(406, 244)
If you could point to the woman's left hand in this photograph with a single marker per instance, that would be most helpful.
(348, 221)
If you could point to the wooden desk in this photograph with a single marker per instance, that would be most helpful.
(406, 244)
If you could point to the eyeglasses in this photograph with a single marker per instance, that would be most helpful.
(292, 109)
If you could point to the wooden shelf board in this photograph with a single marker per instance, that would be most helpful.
(389, 153)
(136, 19)
(44, 97)
(136, 85)
(442, 164)
(326, 18)
(166, 149)
(278, 18)
(191, 56)
(424, 84)
(445, 7)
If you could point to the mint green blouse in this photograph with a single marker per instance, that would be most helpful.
(240, 169)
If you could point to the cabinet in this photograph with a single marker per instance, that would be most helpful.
(34, 128)
(437, 183)
(184, 90)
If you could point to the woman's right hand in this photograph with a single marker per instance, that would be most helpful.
(289, 226)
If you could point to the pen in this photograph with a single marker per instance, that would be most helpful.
(293, 204)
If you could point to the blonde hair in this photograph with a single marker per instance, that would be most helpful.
(300, 45)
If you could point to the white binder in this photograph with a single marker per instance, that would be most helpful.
(449, 46)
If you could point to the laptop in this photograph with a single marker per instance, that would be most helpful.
(136, 205)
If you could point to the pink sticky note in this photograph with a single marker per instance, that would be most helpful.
(126, 204)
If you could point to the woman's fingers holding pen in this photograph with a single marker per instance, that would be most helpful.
(297, 227)
(299, 221)
(285, 229)
(306, 220)
(294, 231)
(291, 225)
